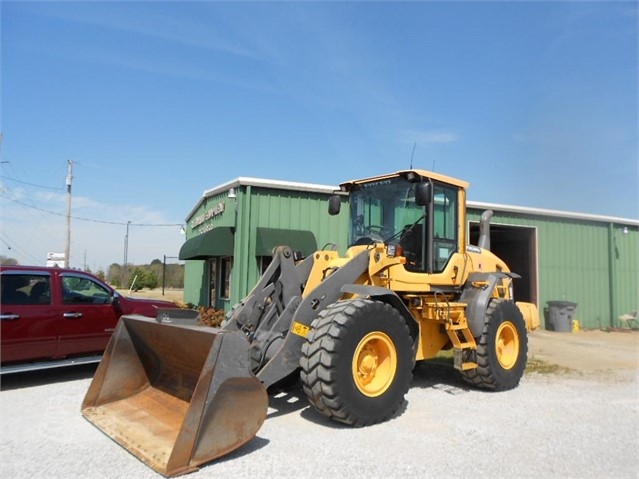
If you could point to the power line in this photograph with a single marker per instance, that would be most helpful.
(30, 184)
(33, 212)
(89, 219)
(16, 249)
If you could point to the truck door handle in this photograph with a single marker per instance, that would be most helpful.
(72, 315)
(9, 317)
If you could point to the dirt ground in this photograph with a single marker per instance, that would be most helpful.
(169, 294)
(589, 350)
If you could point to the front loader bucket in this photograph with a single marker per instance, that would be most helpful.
(175, 396)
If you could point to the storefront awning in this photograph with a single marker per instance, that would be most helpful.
(269, 238)
(217, 242)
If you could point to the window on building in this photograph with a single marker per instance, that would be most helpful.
(226, 265)
(212, 281)
(263, 263)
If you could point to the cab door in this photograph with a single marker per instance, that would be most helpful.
(88, 315)
(28, 322)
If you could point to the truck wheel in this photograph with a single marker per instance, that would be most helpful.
(502, 348)
(357, 362)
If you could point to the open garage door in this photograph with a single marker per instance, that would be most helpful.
(517, 246)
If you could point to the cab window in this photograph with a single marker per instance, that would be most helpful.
(445, 225)
(77, 289)
(25, 289)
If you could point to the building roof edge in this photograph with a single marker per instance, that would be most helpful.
(554, 213)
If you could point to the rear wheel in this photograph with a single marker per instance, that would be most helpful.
(502, 348)
(357, 362)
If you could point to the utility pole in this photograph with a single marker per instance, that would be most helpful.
(126, 255)
(67, 250)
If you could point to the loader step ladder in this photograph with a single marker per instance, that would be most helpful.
(464, 345)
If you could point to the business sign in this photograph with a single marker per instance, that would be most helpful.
(55, 259)
(212, 213)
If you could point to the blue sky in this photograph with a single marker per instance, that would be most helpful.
(534, 103)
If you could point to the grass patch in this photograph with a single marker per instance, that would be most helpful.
(542, 367)
(446, 358)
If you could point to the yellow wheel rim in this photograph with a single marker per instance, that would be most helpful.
(374, 364)
(507, 345)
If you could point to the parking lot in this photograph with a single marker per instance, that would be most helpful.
(578, 423)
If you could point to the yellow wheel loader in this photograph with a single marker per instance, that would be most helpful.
(178, 395)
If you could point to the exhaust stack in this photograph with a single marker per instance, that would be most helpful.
(484, 230)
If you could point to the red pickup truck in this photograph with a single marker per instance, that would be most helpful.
(53, 317)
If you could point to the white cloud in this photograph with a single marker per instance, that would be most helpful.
(148, 20)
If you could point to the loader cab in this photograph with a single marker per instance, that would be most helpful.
(416, 216)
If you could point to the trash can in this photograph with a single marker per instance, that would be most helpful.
(559, 316)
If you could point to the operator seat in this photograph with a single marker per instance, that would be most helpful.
(412, 240)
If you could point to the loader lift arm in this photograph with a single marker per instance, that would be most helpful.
(276, 316)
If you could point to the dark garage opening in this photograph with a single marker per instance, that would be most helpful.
(517, 246)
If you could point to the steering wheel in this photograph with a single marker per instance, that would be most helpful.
(379, 230)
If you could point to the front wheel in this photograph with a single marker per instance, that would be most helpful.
(357, 362)
(502, 348)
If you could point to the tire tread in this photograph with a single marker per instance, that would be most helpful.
(320, 359)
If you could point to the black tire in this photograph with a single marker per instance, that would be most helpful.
(357, 362)
(502, 348)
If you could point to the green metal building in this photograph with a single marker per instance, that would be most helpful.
(232, 230)
(589, 260)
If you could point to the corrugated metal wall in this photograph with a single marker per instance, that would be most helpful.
(573, 266)
(292, 210)
(592, 263)
(625, 258)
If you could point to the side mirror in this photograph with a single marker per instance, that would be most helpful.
(115, 299)
(334, 205)
(422, 194)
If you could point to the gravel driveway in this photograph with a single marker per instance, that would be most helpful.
(567, 425)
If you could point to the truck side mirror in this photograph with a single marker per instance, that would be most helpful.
(334, 205)
(422, 194)
(115, 298)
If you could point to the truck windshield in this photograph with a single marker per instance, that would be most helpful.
(381, 210)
